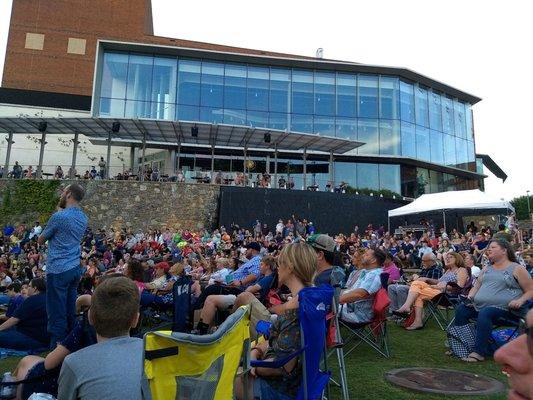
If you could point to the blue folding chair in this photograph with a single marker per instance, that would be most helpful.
(314, 304)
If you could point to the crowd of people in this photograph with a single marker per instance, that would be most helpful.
(48, 278)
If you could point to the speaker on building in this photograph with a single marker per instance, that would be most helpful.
(115, 128)
(43, 125)
(194, 131)
(267, 137)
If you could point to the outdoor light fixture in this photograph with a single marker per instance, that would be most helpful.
(115, 128)
(43, 125)
(267, 137)
(194, 131)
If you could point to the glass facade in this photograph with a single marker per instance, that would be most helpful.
(392, 116)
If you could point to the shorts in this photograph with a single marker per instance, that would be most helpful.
(47, 384)
(259, 313)
(263, 391)
(228, 301)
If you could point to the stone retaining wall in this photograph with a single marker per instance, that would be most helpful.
(141, 205)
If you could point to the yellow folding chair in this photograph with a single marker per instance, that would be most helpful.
(193, 367)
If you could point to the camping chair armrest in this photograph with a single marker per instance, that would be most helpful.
(274, 364)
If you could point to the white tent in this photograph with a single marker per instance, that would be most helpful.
(459, 200)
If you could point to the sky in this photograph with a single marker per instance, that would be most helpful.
(482, 47)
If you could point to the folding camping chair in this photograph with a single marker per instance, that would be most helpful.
(314, 305)
(374, 333)
(192, 367)
(442, 307)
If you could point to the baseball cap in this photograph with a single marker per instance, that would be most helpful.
(254, 246)
(163, 265)
(322, 242)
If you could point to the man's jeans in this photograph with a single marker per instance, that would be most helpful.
(12, 339)
(398, 295)
(486, 318)
(61, 293)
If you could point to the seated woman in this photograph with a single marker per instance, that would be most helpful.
(26, 329)
(220, 302)
(499, 293)
(297, 264)
(424, 289)
(389, 267)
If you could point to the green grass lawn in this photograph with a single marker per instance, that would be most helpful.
(365, 368)
(424, 348)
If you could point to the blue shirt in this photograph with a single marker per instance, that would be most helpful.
(33, 318)
(251, 267)
(14, 304)
(64, 232)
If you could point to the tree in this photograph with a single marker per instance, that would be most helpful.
(520, 206)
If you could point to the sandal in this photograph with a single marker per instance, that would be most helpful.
(473, 357)
(401, 314)
(448, 353)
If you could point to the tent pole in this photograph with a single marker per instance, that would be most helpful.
(388, 224)
(444, 220)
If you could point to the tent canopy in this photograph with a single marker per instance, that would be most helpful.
(458, 200)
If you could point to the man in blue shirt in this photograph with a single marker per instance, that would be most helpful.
(64, 232)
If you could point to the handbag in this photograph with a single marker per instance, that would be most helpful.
(462, 339)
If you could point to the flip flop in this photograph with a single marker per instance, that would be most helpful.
(473, 358)
(414, 329)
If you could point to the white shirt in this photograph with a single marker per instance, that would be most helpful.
(219, 276)
(279, 227)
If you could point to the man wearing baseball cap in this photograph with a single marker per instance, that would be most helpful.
(325, 248)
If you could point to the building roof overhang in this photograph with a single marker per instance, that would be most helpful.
(180, 132)
(492, 166)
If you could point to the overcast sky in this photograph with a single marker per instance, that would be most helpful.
(479, 46)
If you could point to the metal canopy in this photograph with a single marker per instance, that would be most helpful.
(180, 132)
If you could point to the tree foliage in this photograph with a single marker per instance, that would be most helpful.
(520, 206)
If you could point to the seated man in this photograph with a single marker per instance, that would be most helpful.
(246, 275)
(430, 269)
(357, 298)
(98, 371)
(257, 291)
(26, 329)
(15, 300)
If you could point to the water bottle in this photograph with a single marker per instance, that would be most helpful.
(8, 392)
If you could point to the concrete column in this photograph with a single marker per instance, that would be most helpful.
(43, 142)
(331, 171)
(74, 155)
(171, 167)
(133, 157)
(108, 159)
(212, 162)
(305, 169)
(179, 156)
(244, 167)
(275, 167)
(9, 139)
(141, 178)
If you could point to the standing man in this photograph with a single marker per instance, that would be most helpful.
(64, 232)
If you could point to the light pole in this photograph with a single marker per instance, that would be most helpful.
(528, 209)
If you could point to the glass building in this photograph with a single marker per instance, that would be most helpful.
(418, 133)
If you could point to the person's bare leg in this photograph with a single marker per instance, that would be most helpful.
(417, 323)
(212, 303)
(411, 298)
(238, 387)
(243, 299)
(24, 365)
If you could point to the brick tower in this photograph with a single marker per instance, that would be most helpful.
(51, 45)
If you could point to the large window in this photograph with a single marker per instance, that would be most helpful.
(408, 140)
(325, 126)
(447, 115)
(389, 137)
(435, 111)
(189, 79)
(324, 93)
(422, 109)
(258, 87)
(368, 96)
(368, 176)
(346, 172)
(407, 102)
(389, 177)
(450, 157)
(302, 92)
(346, 128)
(114, 75)
(436, 140)
(389, 98)
(235, 86)
(280, 90)
(460, 120)
(139, 87)
(367, 132)
(212, 93)
(422, 143)
(346, 95)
